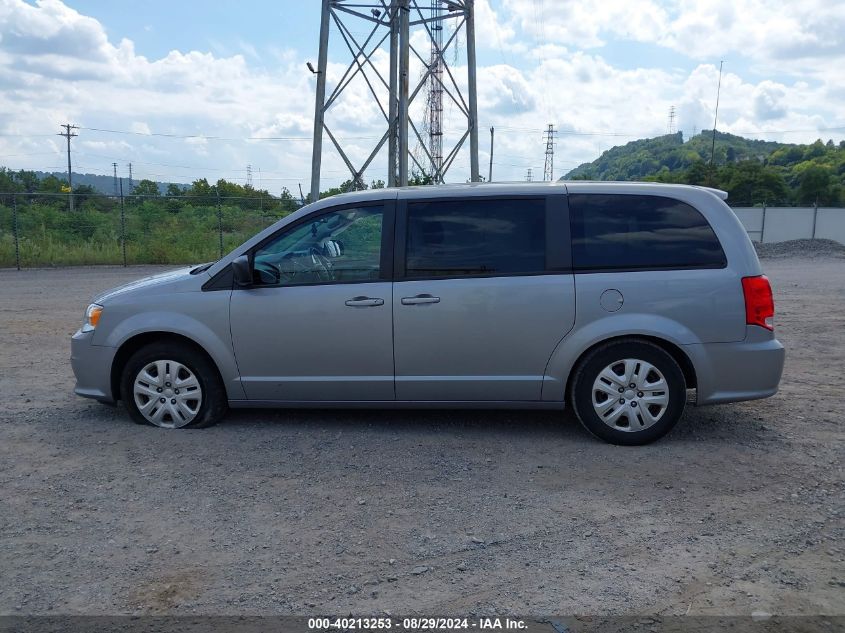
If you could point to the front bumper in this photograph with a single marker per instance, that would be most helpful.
(92, 367)
(733, 372)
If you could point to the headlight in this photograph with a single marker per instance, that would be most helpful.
(92, 317)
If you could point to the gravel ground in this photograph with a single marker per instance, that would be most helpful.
(806, 249)
(740, 509)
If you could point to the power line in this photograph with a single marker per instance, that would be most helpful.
(207, 137)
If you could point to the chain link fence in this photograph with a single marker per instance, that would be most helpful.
(39, 229)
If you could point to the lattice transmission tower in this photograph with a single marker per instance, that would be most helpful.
(435, 94)
(549, 168)
(368, 26)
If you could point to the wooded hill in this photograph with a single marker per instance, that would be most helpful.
(753, 172)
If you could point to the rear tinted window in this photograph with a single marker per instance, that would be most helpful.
(641, 232)
(475, 237)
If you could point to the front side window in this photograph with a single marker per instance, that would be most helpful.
(616, 231)
(475, 237)
(339, 246)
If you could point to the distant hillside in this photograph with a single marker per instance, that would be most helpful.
(643, 158)
(751, 171)
(103, 184)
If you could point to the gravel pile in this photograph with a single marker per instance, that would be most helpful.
(800, 248)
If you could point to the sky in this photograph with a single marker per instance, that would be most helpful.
(187, 89)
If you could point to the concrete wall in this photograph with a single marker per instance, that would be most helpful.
(779, 224)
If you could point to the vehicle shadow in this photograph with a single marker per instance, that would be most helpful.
(726, 423)
(732, 423)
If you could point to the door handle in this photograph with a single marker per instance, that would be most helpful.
(363, 302)
(419, 300)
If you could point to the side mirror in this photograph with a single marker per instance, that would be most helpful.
(242, 271)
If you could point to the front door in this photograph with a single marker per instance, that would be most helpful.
(317, 324)
(479, 304)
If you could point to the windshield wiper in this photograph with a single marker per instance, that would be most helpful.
(202, 268)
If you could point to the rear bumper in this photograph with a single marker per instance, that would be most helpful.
(92, 367)
(732, 372)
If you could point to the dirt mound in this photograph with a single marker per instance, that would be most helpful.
(800, 248)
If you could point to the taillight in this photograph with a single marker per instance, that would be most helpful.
(759, 304)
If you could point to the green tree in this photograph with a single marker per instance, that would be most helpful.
(51, 184)
(146, 188)
(815, 186)
(749, 182)
(201, 189)
(82, 194)
(28, 180)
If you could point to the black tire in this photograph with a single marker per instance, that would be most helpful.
(214, 402)
(603, 356)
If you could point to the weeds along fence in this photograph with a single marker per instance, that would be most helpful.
(38, 229)
(42, 229)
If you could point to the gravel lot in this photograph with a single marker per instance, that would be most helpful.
(740, 509)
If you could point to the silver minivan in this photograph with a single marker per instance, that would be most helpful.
(612, 298)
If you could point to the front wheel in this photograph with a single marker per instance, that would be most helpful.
(172, 386)
(629, 392)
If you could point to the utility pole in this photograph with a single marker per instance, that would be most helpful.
(490, 173)
(114, 165)
(366, 27)
(69, 135)
(715, 120)
(549, 168)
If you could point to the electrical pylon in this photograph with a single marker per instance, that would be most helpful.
(549, 168)
(394, 22)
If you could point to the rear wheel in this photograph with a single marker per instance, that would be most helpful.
(172, 386)
(629, 392)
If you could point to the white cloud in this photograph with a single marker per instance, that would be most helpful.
(139, 127)
(57, 65)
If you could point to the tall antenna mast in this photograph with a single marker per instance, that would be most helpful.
(249, 175)
(115, 179)
(549, 168)
(435, 96)
(672, 127)
(528, 175)
(366, 26)
(715, 119)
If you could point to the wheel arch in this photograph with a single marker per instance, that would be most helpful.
(138, 341)
(674, 350)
